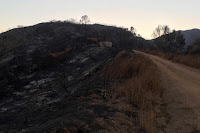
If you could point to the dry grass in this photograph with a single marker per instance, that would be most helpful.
(135, 78)
(188, 59)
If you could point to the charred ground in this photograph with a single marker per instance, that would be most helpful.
(41, 93)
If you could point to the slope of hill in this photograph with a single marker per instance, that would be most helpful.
(49, 73)
(25, 51)
(191, 36)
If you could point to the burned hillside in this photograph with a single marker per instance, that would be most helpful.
(42, 65)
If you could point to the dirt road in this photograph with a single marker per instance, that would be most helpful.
(181, 96)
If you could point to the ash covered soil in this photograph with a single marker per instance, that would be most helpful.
(43, 93)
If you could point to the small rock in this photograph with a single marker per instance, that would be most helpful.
(4, 109)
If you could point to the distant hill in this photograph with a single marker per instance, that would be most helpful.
(191, 36)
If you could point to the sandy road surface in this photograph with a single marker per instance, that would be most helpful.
(181, 96)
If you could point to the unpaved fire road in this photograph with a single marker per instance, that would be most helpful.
(181, 95)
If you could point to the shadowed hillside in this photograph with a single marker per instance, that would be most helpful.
(49, 78)
(191, 36)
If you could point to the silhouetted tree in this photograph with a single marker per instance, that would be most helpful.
(157, 32)
(85, 20)
(180, 41)
(166, 30)
(161, 30)
(195, 48)
(170, 42)
(133, 30)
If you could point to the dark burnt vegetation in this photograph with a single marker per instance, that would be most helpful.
(52, 68)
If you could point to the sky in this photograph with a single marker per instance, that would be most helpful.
(144, 15)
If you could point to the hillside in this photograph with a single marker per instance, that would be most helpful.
(49, 76)
(174, 41)
(191, 36)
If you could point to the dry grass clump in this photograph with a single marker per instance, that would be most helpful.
(187, 59)
(135, 78)
(154, 52)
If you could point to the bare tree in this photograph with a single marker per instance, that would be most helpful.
(166, 30)
(157, 32)
(168, 41)
(85, 20)
(161, 30)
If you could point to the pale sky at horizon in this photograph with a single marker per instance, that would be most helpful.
(144, 15)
